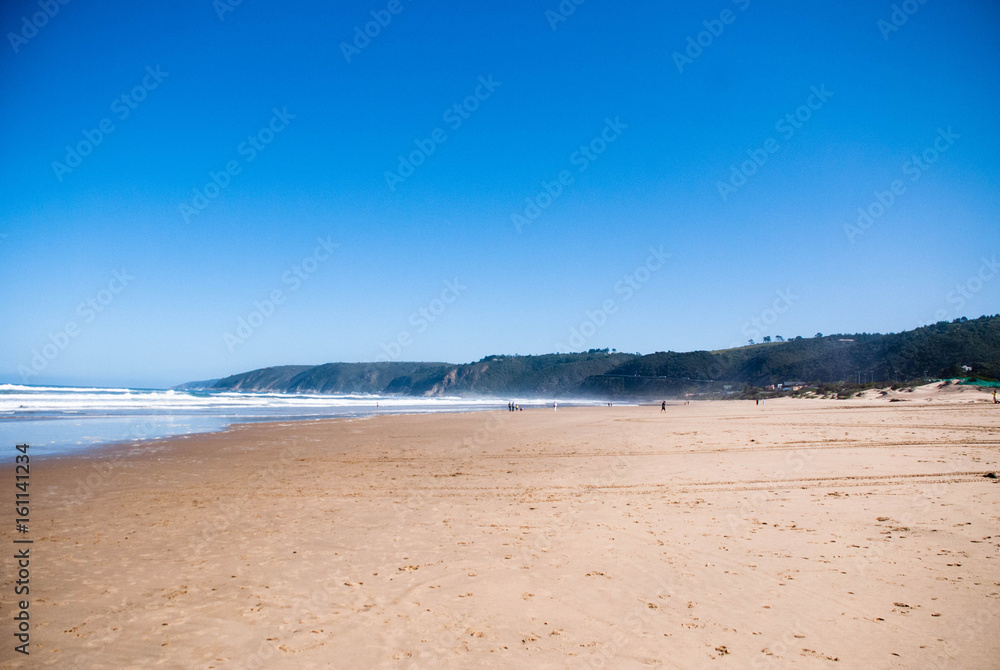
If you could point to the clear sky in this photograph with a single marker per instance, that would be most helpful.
(618, 134)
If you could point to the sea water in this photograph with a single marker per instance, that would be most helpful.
(57, 420)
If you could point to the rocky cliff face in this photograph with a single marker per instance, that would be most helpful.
(445, 385)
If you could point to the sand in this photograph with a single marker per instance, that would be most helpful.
(805, 533)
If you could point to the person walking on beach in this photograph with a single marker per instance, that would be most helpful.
(995, 401)
(663, 406)
(555, 406)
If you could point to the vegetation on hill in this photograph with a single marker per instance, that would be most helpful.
(550, 375)
(940, 350)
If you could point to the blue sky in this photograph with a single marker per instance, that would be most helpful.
(434, 265)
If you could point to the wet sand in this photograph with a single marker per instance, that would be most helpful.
(806, 533)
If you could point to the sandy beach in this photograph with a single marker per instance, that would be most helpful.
(804, 533)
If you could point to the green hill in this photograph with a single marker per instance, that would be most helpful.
(938, 350)
(549, 375)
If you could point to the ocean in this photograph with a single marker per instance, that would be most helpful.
(59, 421)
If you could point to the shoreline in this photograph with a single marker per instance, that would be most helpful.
(226, 422)
(64, 450)
(587, 537)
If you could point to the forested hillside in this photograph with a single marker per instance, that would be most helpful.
(939, 350)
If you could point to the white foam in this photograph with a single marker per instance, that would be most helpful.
(17, 399)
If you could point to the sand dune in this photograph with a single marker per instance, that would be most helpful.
(944, 391)
(807, 533)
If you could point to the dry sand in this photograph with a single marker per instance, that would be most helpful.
(806, 533)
